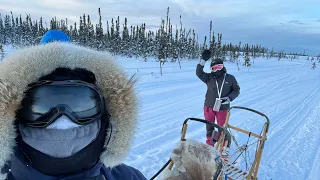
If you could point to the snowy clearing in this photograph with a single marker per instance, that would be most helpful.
(286, 91)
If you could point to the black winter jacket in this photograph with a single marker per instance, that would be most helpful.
(230, 89)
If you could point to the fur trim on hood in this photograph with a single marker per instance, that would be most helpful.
(28, 65)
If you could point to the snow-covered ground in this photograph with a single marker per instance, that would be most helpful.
(287, 92)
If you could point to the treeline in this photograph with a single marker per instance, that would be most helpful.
(169, 42)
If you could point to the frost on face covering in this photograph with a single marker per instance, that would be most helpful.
(63, 122)
(61, 139)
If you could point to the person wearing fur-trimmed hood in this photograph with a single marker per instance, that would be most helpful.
(67, 112)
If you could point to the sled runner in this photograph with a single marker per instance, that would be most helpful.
(226, 166)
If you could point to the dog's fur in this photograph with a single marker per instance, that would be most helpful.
(192, 160)
(28, 65)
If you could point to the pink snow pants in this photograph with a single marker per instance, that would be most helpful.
(211, 115)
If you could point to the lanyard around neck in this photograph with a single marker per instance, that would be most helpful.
(220, 92)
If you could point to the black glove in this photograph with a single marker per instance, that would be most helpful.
(206, 54)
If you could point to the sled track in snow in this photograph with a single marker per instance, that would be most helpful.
(163, 103)
(314, 171)
(295, 130)
(254, 102)
(293, 126)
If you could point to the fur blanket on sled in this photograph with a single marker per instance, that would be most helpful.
(192, 160)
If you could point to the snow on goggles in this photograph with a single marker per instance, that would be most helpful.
(216, 67)
(46, 101)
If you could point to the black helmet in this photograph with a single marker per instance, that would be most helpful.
(216, 61)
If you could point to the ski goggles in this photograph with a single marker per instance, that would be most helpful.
(216, 67)
(46, 101)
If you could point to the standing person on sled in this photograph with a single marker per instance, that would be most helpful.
(67, 113)
(222, 88)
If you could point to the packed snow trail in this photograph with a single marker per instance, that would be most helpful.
(287, 92)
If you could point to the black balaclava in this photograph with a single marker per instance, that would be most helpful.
(78, 152)
(218, 73)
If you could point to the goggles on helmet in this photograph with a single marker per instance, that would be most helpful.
(216, 67)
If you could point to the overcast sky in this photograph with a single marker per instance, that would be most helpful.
(292, 25)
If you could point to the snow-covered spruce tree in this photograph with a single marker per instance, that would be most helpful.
(91, 33)
(150, 44)
(304, 53)
(125, 41)
(204, 46)
(112, 37)
(218, 48)
(12, 30)
(271, 54)
(18, 33)
(188, 44)
(144, 42)
(195, 46)
(162, 46)
(82, 31)
(169, 37)
(175, 48)
(99, 34)
(117, 37)
(107, 39)
(232, 54)
(281, 55)
(224, 51)
(237, 55)
(27, 32)
(247, 62)
(7, 30)
(181, 43)
(74, 34)
(211, 40)
(1, 52)
(2, 35)
(64, 25)
(41, 31)
(253, 53)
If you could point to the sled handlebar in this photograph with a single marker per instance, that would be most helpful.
(252, 110)
(224, 130)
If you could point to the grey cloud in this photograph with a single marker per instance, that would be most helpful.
(297, 22)
(280, 37)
